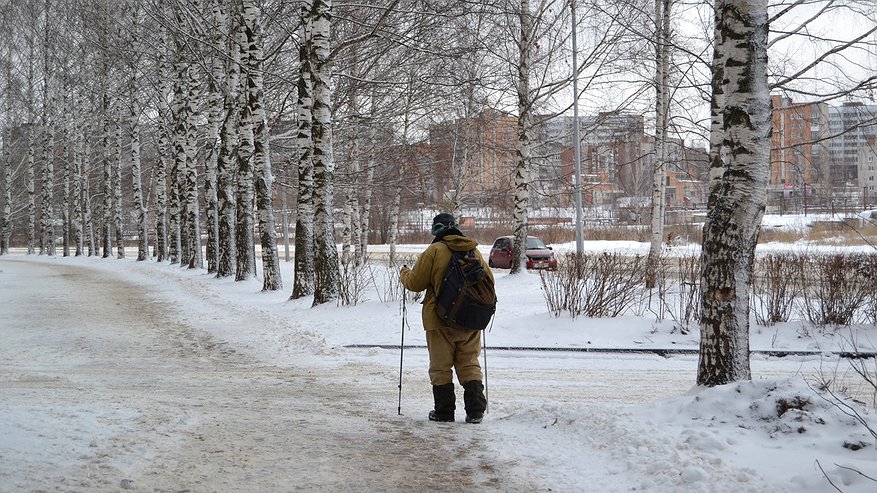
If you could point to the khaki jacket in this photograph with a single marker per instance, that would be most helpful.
(428, 272)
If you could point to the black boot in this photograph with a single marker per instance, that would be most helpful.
(474, 400)
(444, 403)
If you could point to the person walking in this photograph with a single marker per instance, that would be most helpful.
(450, 350)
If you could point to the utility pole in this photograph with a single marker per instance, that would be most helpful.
(577, 165)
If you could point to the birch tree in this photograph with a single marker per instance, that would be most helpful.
(226, 165)
(6, 51)
(525, 123)
(325, 251)
(134, 130)
(212, 143)
(739, 154)
(31, 144)
(78, 179)
(303, 279)
(117, 183)
(663, 9)
(47, 230)
(162, 165)
(185, 116)
(261, 149)
(6, 160)
(6, 214)
(246, 262)
(105, 109)
(68, 157)
(187, 149)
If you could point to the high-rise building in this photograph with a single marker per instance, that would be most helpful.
(852, 128)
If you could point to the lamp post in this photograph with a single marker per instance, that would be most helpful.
(577, 164)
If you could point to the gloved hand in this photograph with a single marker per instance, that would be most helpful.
(404, 270)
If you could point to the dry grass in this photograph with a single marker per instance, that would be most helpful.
(821, 233)
(824, 233)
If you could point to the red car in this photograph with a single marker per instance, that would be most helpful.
(539, 256)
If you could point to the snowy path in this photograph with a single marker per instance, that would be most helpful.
(125, 375)
(118, 388)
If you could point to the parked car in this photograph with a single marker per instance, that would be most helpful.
(539, 256)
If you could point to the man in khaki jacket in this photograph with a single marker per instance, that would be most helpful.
(448, 348)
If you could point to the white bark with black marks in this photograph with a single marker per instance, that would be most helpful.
(212, 142)
(245, 242)
(303, 279)
(117, 187)
(264, 179)
(740, 157)
(325, 249)
(663, 10)
(163, 147)
(525, 116)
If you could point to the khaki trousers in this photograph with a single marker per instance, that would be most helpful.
(453, 349)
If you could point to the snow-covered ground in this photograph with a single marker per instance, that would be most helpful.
(116, 374)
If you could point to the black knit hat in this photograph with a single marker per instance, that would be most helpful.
(443, 222)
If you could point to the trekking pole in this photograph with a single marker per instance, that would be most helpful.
(402, 348)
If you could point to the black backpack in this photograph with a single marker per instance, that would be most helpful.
(466, 299)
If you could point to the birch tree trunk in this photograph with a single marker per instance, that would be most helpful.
(264, 179)
(226, 172)
(325, 249)
(394, 223)
(522, 171)
(106, 160)
(246, 263)
(163, 159)
(212, 143)
(78, 179)
(68, 157)
(6, 217)
(87, 213)
(367, 198)
(303, 279)
(47, 233)
(741, 128)
(117, 187)
(6, 163)
(31, 194)
(134, 116)
(47, 229)
(662, 73)
(349, 236)
(195, 259)
(177, 162)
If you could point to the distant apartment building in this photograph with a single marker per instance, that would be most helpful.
(475, 157)
(796, 159)
(820, 153)
(852, 128)
(867, 170)
(618, 160)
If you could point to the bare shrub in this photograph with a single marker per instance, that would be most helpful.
(869, 275)
(775, 286)
(686, 309)
(686, 233)
(391, 289)
(838, 288)
(601, 285)
(353, 278)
